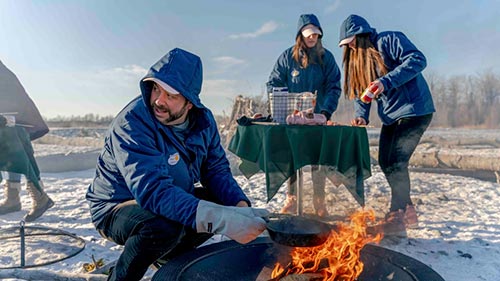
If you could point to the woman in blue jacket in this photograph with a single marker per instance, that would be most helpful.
(391, 67)
(308, 67)
(162, 183)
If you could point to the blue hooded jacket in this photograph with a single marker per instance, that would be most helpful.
(323, 78)
(144, 160)
(406, 93)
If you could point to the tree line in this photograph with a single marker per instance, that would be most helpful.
(87, 120)
(461, 101)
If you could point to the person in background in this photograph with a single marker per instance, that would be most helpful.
(15, 101)
(308, 67)
(390, 66)
(163, 184)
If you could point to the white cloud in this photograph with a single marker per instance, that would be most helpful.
(218, 95)
(333, 7)
(124, 78)
(225, 63)
(266, 28)
(224, 88)
(132, 70)
(230, 61)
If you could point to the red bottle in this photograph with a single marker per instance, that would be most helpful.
(367, 96)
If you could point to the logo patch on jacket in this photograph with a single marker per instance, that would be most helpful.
(173, 159)
(295, 73)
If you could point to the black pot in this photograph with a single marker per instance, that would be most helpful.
(295, 231)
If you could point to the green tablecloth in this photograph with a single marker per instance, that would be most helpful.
(16, 153)
(280, 150)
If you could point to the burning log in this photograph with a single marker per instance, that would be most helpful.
(285, 274)
(302, 277)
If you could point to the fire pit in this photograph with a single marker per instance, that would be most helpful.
(232, 261)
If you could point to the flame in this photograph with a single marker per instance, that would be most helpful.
(339, 257)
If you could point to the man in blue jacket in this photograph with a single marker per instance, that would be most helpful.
(163, 183)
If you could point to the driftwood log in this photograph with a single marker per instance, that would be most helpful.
(437, 156)
(472, 157)
(242, 107)
(35, 274)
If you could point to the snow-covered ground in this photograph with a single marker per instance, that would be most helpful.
(459, 233)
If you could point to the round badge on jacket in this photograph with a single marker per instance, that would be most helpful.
(173, 159)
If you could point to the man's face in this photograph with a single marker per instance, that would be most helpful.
(168, 108)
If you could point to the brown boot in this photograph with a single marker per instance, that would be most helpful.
(411, 218)
(393, 225)
(40, 202)
(12, 203)
(319, 206)
(290, 205)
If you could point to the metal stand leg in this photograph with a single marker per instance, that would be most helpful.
(360, 188)
(300, 194)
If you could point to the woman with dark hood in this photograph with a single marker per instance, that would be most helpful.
(389, 66)
(308, 67)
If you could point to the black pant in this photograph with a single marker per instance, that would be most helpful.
(146, 237)
(397, 143)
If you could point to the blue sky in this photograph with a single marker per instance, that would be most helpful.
(79, 57)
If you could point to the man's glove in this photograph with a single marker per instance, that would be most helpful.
(242, 224)
(3, 121)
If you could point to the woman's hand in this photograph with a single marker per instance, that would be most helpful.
(378, 86)
(358, 121)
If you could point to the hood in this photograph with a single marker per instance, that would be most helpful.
(354, 25)
(306, 19)
(181, 70)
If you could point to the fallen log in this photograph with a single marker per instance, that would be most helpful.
(36, 274)
(453, 158)
(483, 164)
(438, 141)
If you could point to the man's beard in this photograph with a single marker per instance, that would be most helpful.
(171, 116)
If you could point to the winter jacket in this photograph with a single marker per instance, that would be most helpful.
(144, 160)
(13, 98)
(324, 79)
(406, 92)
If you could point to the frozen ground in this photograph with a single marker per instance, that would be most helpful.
(459, 234)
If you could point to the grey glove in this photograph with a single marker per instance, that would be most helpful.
(242, 224)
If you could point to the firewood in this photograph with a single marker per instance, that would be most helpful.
(303, 277)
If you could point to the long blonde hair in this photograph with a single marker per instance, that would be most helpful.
(362, 65)
(305, 56)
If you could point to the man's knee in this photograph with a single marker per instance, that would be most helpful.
(161, 230)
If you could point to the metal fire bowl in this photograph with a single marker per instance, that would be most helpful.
(232, 261)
